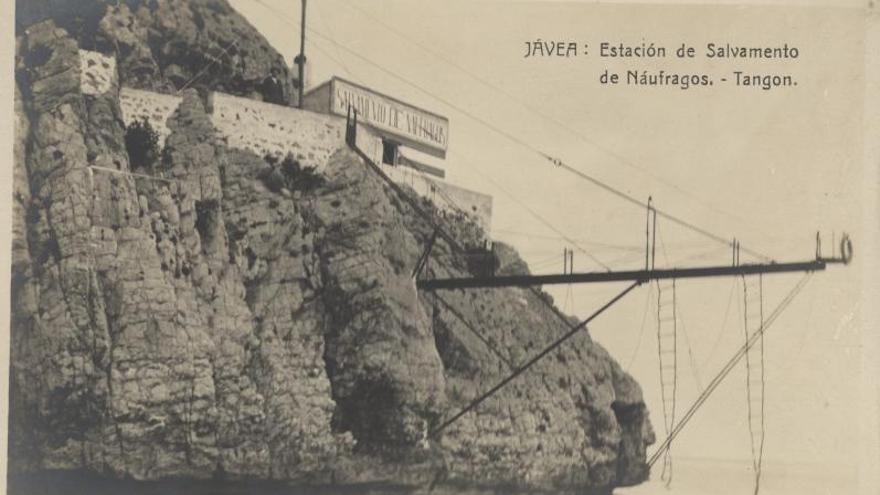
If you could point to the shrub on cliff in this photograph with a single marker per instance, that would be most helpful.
(142, 144)
(290, 175)
(298, 177)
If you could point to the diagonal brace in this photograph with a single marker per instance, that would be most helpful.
(575, 329)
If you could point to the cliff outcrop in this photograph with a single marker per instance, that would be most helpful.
(194, 320)
(164, 45)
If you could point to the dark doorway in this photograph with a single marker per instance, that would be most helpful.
(389, 152)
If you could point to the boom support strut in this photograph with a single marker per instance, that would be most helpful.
(547, 350)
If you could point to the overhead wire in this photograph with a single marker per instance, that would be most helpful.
(692, 359)
(635, 352)
(450, 240)
(208, 65)
(554, 160)
(326, 52)
(608, 188)
(720, 333)
(628, 258)
(538, 216)
(573, 329)
(558, 162)
(519, 141)
(329, 29)
(435, 218)
(704, 254)
(753, 293)
(661, 213)
(545, 264)
(621, 247)
(532, 212)
(625, 161)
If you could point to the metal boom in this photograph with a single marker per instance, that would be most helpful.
(818, 264)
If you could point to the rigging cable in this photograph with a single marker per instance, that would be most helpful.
(753, 316)
(326, 25)
(536, 215)
(208, 65)
(532, 212)
(625, 161)
(661, 213)
(722, 374)
(326, 52)
(635, 352)
(450, 240)
(693, 361)
(720, 333)
(518, 141)
(532, 235)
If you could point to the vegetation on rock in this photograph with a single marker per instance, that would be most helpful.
(142, 144)
(289, 174)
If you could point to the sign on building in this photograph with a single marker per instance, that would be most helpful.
(392, 119)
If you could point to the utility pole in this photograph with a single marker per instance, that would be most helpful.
(300, 60)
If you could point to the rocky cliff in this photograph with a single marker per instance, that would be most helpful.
(194, 321)
(166, 44)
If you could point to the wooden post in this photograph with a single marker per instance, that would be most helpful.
(301, 58)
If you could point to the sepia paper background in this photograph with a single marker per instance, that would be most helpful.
(770, 168)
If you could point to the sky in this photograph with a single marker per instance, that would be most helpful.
(770, 168)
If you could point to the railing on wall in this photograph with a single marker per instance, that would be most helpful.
(351, 128)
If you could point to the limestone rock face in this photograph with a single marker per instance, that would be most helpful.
(387, 375)
(195, 320)
(574, 420)
(167, 44)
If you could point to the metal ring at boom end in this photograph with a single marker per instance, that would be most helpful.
(846, 249)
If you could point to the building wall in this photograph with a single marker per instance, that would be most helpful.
(97, 72)
(475, 204)
(369, 143)
(446, 196)
(156, 108)
(265, 128)
(318, 99)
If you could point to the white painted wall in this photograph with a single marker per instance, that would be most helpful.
(264, 128)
